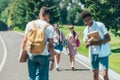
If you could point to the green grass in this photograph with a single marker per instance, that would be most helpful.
(17, 29)
(114, 62)
(115, 56)
(114, 59)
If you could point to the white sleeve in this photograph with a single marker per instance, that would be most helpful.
(51, 32)
(104, 29)
(28, 27)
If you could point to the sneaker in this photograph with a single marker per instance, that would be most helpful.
(57, 69)
(72, 68)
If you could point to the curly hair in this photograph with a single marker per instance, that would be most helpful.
(85, 14)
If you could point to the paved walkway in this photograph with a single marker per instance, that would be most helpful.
(81, 72)
(13, 70)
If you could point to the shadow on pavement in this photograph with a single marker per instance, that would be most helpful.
(75, 69)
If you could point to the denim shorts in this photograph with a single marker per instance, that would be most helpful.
(99, 62)
(58, 48)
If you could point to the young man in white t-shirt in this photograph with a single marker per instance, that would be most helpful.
(38, 65)
(98, 50)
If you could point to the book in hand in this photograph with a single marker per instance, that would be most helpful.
(93, 36)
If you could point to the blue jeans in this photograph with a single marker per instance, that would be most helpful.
(38, 67)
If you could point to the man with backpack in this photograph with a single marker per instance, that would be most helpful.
(38, 41)
(99, 49)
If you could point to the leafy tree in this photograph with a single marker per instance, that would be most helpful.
(71, 15)
(7, 14)
(69, 11)
(19, 12)
(78, 20)
(3, 4)
(3, 26)
(63, 15)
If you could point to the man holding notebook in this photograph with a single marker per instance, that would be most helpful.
(96, 39)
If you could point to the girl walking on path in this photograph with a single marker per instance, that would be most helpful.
(58, 45)
(71, 45)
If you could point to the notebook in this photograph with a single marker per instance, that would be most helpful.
(93, 36)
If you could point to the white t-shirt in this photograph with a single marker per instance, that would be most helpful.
(58, 36)
(94, 48)
(49, 33)
(70, 34)
(102, 50)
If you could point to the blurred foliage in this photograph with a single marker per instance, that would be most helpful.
(19, 12)
(3, 26)
(3, 4)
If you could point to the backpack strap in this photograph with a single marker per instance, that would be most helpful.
(60, 36)
(33, 22)
(45, 26)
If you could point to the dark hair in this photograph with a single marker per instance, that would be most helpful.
(44, 11)
(85, 14)
(74, 33)
(55, 24)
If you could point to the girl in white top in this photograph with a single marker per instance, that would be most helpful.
(58, 44)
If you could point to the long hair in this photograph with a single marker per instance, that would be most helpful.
(74, 33)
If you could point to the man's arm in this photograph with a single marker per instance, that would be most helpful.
(77, 35)
(24, 42)
(51, 47)
(52, 52)
(27, 29)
